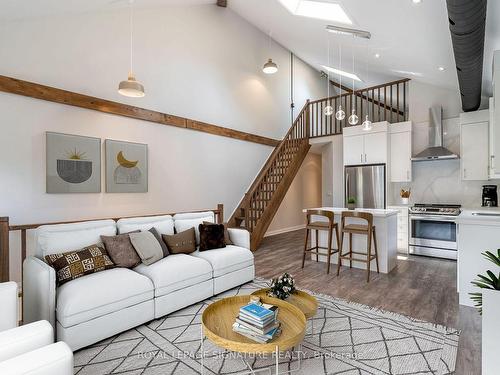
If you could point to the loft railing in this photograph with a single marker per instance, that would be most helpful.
(386, 102)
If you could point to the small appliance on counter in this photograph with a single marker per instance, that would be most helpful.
(490, 197)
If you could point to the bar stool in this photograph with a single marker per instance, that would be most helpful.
(367, 230)
(317, 226)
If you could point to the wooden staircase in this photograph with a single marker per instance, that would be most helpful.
(262, 200)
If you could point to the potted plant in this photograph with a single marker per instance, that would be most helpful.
(488, 304)
(405, 196)
(351, 203)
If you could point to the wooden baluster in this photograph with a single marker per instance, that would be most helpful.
(373, 105)
(397, 94)
(404, 102)
(391, 105)
(385, 103)
(378, 97)
(308, 120)
(4, 249)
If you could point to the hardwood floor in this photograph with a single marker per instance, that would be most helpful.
(423, 288)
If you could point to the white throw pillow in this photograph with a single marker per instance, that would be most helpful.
(182, 225)
(147, 246)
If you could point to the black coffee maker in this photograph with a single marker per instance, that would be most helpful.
(490, 197)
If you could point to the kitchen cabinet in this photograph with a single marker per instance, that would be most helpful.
(366, 147)
(494, 172)
(402, 228)
(495, 126)
(401, 152)
(474, 146)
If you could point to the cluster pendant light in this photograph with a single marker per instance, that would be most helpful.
(270, 66)
(340, 115)
(367, 124)
(328, 110)
(131, 87)
(353, 118)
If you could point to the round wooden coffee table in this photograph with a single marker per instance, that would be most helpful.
(217, 325)
(304, 301)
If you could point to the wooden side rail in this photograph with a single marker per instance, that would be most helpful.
(5, 229)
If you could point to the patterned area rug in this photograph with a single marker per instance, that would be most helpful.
(344, 338)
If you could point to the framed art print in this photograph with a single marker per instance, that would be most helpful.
(73, 163)
(126, 167)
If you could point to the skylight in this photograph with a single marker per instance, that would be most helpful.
(342, 73)
(331, 11)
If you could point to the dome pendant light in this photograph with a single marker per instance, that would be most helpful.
(328, 110)
(270, 66)
(131, 87)
(340, 115)
(367, 124)
(353, 118)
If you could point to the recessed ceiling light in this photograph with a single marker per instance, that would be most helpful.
(348, 31)
(441, 68)
(330, 11)
(416, 1)
(377, 55)
(342, 73)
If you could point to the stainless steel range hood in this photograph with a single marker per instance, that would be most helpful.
(435, 150)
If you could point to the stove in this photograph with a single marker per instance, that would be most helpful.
(435, 209)
(432, 230)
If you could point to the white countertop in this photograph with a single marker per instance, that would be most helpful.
(376, 212)
(467, 217)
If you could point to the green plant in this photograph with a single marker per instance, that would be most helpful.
(491, 281)
(281, 287)
(351, 200)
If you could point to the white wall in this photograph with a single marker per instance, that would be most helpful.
(304, 192)
(200, 62)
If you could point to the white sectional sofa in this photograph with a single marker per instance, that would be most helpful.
(94, 307)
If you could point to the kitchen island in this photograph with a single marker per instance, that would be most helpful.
(385, 221)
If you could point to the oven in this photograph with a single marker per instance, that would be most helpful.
(432, 235)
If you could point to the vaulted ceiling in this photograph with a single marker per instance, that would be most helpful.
(412, 40)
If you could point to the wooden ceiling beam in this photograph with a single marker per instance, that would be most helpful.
(55, 95)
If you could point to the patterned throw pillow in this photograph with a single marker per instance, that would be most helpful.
(211, 236)
(74, 264)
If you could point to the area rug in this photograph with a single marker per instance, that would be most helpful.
(344, 338)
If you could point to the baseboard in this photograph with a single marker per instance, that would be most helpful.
(284, 230)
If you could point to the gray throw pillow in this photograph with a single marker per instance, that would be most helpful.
(147, 246)
(163, 245)
(120, 250)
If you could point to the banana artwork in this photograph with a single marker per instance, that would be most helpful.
(124, 162)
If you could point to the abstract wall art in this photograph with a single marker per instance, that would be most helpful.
(73, 163)
(126, 167)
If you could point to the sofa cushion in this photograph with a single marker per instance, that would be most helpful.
(228, 259)
(101, 293)
(163, 224)
(57, 238)
(181, 243)
(121, 250)
(177, 271)
(163, 245)
(227, 238)
(75, 264)
(211, 236)
(147, 246)
(195, 215)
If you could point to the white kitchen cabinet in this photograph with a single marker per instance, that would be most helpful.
(474, 145)
(375, 148)
(495, 144)
(494, 173)
(366, 147)
(401, 152)
(402, 228)
(354, 150)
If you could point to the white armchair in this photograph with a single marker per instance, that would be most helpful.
(29, 349)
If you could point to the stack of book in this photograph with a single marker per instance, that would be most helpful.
(258, 322)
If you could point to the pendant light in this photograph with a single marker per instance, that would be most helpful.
(270, 66)
(340, 115)
(367, 124)
(131, 87)
(353, 118)
(328, 111)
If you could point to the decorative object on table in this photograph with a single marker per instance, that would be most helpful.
(351, 203)
(491, 281)
(281, 287)
(73, 163)
(126, 167)
(405, 196)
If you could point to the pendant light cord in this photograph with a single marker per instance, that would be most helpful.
(340, 69)
(131, 33)
(328, 71)
(353, 84)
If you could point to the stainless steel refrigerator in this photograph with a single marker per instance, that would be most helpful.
(366, 183)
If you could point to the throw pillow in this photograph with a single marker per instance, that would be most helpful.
(184, 224)
(121, 251)
(147, 246)
(181, 243)
(162, 243)
(74, 264)
(227, 239)
(211, 236)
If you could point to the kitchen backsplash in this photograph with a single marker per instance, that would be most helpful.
(439, 181)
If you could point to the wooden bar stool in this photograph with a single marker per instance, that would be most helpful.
(317, 226)
(368, 230)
